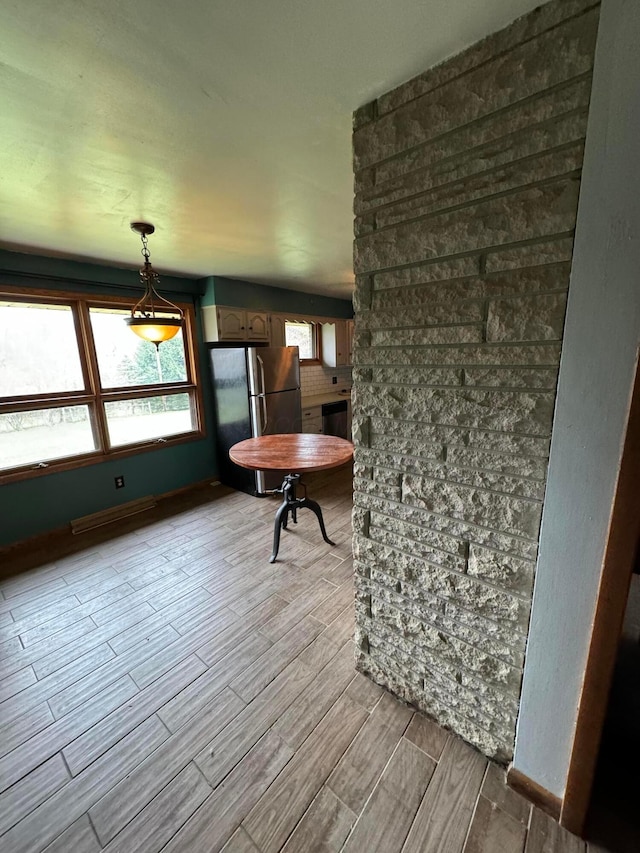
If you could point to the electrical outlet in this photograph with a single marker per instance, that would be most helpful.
(334, 380)
(119, 481)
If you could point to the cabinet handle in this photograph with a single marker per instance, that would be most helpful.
(242, 327)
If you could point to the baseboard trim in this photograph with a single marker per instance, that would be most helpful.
(107, 516)
(535, 793)
(48, 539)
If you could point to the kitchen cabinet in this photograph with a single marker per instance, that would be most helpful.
(222, 323)
(312, 419)
(278, 337)
(337, 343)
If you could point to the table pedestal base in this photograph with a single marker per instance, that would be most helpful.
(291, 504)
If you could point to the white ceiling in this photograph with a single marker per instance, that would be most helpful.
(226, 123)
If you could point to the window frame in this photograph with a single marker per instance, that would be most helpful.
(93, 395)
(317, 340)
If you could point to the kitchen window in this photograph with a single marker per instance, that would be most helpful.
(77, 386)
(304, 335)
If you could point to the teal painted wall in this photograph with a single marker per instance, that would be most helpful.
(49, 501)
(25, 270)
(260, 297)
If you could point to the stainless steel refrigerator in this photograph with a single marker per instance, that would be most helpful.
(256, 392)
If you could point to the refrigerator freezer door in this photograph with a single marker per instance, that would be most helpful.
(233, 415)
(273, 369)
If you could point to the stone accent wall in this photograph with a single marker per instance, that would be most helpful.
(467, 182)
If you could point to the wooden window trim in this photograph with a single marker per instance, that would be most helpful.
(93, 395)
(317, 348)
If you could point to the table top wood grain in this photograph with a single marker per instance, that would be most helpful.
(291, 452)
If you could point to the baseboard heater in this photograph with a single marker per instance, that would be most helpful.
(106, 516)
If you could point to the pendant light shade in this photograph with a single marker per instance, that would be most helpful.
(153, 318)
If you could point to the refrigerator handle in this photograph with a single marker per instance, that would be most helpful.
(263, 403)
(261, 389)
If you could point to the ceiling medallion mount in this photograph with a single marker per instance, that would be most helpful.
(142, 228)
(153, 318)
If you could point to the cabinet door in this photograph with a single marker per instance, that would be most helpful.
(232, 324)
(257, 326)
(350, 332)
(278, 337)
(312, 419)
(342, 343)
(335, 344)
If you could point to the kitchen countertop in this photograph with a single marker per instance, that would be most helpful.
(327, 397)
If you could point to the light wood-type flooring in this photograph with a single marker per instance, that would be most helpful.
(164, 688)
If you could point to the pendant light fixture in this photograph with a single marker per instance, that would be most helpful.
(153, 318)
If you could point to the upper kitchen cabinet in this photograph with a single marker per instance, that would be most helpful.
(278, 334)
(234, 324)
(337, 343)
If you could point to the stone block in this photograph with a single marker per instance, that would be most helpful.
(374, 487)
(360, 520)
(537, 254)
(537, 379)
(502, 569)
(387, 476)
(512, 515)
(364, 224)
(365, 114)
(362, 294)
(527, 214)
(551, 59)
(505, 443)
(427, 335)
(364, 472)
(525, 355)
(425, 376)
(422, 450)
(531, 318)
(507, 514)
(437, 541)
(520, 282)
(417, 548)
(360, 430)
(427, 272)
(433, 314)
(509, 411)
(518, 465)
(481, 478)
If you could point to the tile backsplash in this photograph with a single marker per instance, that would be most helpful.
(317, 379)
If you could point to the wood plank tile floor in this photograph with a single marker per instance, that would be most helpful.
(164, 688)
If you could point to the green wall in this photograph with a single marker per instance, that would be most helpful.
(29, 507)
(260, 297)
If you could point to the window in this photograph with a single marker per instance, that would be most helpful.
(77, 386)
(304, 335)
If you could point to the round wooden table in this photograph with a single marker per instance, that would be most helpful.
(292, 453)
